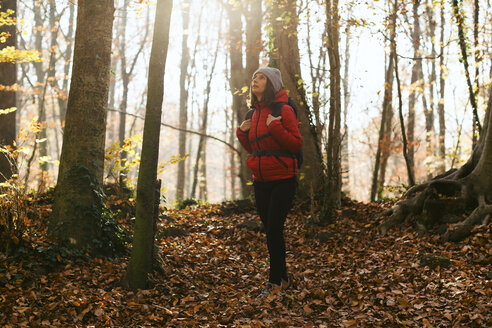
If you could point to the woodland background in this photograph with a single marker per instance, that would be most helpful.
(395, 106)
(364, 49)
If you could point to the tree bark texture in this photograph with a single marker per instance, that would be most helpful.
(285, 56)
(183, 99)
(8, 99)
(143, 237)
(78, 197)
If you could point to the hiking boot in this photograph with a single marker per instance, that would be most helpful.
(269, 289)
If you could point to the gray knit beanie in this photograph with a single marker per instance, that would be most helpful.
(273, 75)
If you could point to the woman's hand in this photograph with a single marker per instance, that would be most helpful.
(270, 119)
(245, 126)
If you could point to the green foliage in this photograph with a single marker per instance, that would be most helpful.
(13, 213)
(186, 203)
(11, 54)
(391, 193)
(117, 165)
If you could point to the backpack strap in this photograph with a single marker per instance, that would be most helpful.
(249, 114)
(263, 136)
(273, 152)
(276, 112)
(277, 109)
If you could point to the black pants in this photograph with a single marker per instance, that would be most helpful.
(273, 201)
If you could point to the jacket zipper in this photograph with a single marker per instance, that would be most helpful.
(259, 148)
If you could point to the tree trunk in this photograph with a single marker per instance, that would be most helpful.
(200, 154)
(346, 103)
(333, 189)
(183, 100)
(387, 142)
(141, 257)
(285, 56)
(476, 84)
(78, 201)
(232, 160)
(431, 140)
(202, 180)
(253, 39)
(237, 79)
(415, 85)
(384, 134)
(8, 99)
(440, 107)
(125, 78)
(405, 150)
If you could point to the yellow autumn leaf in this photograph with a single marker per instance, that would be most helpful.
(7, 110)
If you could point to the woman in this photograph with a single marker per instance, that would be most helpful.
(272, 141)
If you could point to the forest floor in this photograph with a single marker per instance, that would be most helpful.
(214, 264)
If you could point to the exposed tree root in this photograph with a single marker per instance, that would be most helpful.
(440, 202)
(463, 229)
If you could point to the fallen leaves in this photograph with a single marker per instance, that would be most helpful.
(212, 268)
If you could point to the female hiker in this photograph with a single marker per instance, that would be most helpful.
(272, 140)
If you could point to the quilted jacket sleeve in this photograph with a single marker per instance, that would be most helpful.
(244, 140)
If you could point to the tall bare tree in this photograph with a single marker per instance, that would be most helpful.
(346, 103)
(429, 125)
(237, 78)
(143, 236)
(125, 79)
(78, 205)
(183, 98)
(442, 84)
(415, 83)
(405, 142)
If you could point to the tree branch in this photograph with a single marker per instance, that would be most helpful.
(184, 130)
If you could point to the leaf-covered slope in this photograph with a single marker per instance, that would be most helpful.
(345, 275)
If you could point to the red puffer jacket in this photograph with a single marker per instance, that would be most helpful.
(285, 136)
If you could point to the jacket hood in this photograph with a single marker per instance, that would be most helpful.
(282, 96)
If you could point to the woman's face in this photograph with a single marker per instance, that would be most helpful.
(258, 85)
